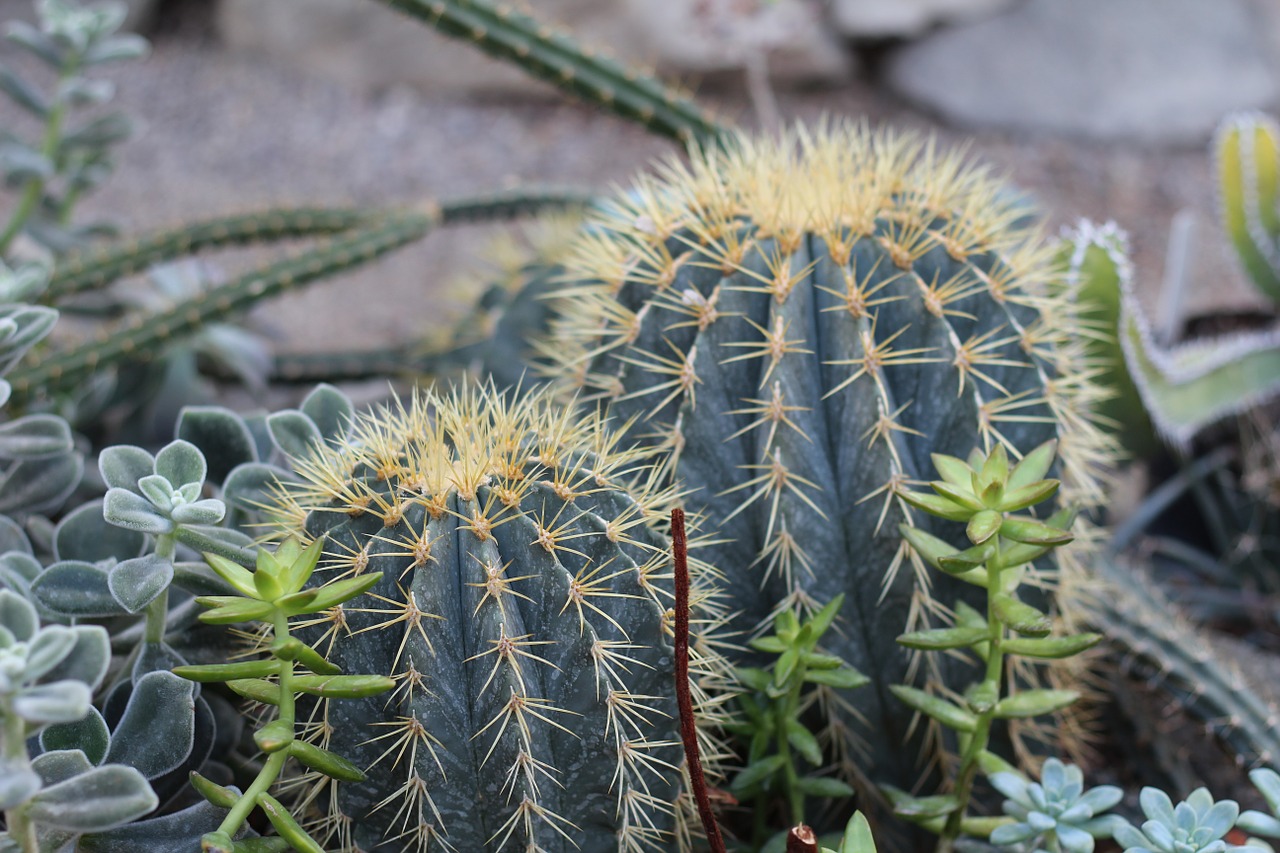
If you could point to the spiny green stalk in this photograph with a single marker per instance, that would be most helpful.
(143, 337)
(52, 138)
(310, 368)
(87, 269)
(1157, 643)
(508, 34)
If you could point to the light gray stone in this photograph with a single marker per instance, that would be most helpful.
(366, 45)
(882, 18)
(1155, 70)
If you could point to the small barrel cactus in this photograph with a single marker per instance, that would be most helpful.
(801, 322)
(524, 613)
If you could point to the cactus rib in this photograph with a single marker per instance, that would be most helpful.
(87, 269)
(508, 34)
(311, 368)
(1158, 643)
(1247, 151)
(143, 336)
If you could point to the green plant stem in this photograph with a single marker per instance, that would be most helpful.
(20, 828)
(270, 771)
(982, 731)
(158, 610)
(795, 799)
(34, 190)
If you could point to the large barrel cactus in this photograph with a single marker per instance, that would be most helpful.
(525, 614)
(800, 323)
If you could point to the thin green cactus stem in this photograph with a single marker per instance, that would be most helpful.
(1157, 643)
(310, 368)
(144, 336)
(88, 269)
(507, 34)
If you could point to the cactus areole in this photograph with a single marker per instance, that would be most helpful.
(524, 612)
(799, 323)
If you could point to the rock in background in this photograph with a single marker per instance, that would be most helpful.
(888, 18)
(1148, 70)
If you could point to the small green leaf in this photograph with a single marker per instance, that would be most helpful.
(228, 671)
(939, 639)
(938, 505)
(293, 649)
(1033, 466)
(983, 526)
(940, 709)
(756, 679)
(957, 495)
(1033, 532)
(756, 772)
(821, 621)
(824, 786)
(953, 470)
(102, 798)
(846, 678)
(329, 763)
(343, 686)
(1033, 703)
(266, 692)
(297, 564)
(1019, 616)
(286, 825)
(803, 742)
(1028, 496)
(770, 645)
(968, 560)
(785, 666)
(230, 609)
(274, 736)
(217, 842)
(857, 836)
(818, 660)
(339, 591)
(981, 697)
(90, 735)
(233, 573)
(915, 808)
(929, 547)
(223, 798)
(1051, 648)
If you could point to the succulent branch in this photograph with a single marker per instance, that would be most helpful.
(506, 33)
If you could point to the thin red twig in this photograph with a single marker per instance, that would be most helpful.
(802, 840)
(689, 726)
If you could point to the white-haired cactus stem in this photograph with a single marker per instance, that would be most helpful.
(1247, 150)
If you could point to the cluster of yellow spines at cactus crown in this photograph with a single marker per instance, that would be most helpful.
(840, 182)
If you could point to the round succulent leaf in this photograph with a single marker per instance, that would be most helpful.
(88, 660)
(58, 702)
(178, 832)
(36, 485)
(198, 579)
(35, 437)
(76, 588)
(294, 433)
(156, 657)
(60, 765)
(84, 534)
(123, 465)
(89, 735)
(18, 615)
(159, 491)
(13, 537)
(330, 410)
(1157, 806)
(103, 798)
(222, 436)
(17, 571)
(250, 486)
(136, 583)
(48, 648)
(134, 512)
(27, 324)
(181, 462)
(17, 784)
(157, 731)
(206, 512)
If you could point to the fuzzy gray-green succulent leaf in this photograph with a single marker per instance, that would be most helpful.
(90, 735)
(98, 799)
(77, 588)
(84, 535)
(221, 435)
(1267, 781)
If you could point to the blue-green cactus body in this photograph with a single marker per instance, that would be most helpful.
(523, 612)
(801, 324)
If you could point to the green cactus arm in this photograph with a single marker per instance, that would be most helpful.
(311, 368)
(508, 34)
(87, 269)
(1190, 387)
(144, 335)
(1155, 642)
(1247, 150)
(1096, 258)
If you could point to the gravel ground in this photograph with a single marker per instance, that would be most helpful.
(220, 134)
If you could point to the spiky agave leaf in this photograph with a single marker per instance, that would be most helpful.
(800, 322)
(524, 613)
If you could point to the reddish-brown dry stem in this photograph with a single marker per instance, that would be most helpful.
(689, 726)
(802, 840)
